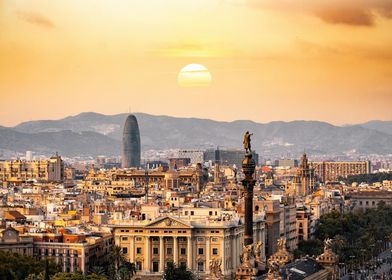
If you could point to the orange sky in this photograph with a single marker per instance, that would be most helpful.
(270, 60)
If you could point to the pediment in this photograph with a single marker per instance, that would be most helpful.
(169, 222)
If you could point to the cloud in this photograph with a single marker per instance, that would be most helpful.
(349, 12)
(35, 18)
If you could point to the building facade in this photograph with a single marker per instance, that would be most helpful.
(331, 170)
(20, 171)
(183, 241)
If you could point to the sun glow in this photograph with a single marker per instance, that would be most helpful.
(194, 75)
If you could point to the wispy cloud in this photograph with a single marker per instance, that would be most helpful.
(35, 18)
(349, 12)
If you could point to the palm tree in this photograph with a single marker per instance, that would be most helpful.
(116, 259)
(98, 270)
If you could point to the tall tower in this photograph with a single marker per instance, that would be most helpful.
(131, 143)
(305, 178)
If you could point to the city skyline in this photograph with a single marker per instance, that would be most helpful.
(325, 61)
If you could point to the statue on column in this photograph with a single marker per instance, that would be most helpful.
(273, 270)
(247, 140)
(248, 250)
(257, 251)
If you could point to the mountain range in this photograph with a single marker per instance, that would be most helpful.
(92, 134)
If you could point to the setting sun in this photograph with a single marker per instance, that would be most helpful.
(194, 75)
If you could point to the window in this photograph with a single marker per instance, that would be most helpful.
(373, 203)
(192, 213)
(215, 251)
(138, 250)
(155, 251)
(169, 251)
(125, 250)
(183, 251)
(201, 251)
(367, 202)
(139, 266)
(210, 213)
(124, 238)
(186, 213)
(200, 266)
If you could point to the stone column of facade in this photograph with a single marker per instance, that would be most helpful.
(71, 260)
(223, 254)
(132, 250)
(147, 255)
(234, 251)
(189, 252)
(175, 250)
(161, 254)
(208, 251)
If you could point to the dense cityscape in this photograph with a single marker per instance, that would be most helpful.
(216, 214)
(196, 140)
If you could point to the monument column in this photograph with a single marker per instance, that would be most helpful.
(247, 269)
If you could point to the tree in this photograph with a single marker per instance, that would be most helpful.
(173, 272)
(76, 276)
(97, 270)
(16, 266)
(116, 259)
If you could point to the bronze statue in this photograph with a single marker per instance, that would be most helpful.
(282, 243)
(257, 251)
(328, 244)
(248, 249)
(247, 146)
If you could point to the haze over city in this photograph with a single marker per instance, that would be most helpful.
(195, 139)
(269, 60)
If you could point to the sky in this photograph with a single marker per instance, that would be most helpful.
(269, 60)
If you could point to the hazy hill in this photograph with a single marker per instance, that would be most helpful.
(94, 134)
(382, 126)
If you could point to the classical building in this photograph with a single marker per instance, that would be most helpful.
(20, 171)
(131, 143)
(195, 242)
(332, 170)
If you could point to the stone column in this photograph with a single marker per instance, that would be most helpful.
(189, 252)
(223, 255)
(208, 251)
(175, 250)
(132, 250)
(161, 254)
(234, 253)
(147, 255)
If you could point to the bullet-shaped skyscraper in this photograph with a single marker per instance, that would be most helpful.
(131, 143)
